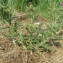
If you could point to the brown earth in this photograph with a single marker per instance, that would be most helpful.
(12, 54)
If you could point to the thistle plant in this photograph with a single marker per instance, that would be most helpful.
(35, 37)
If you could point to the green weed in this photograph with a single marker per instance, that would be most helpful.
(30, 36)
